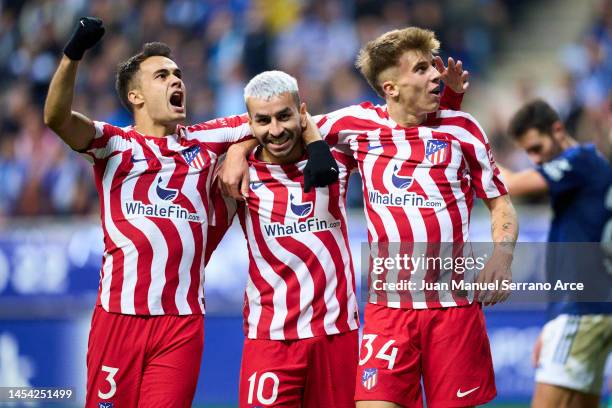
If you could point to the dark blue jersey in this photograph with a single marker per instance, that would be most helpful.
(579, 181)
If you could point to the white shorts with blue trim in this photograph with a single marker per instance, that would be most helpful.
(574, 352)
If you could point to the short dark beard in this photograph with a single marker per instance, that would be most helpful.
(294, 154)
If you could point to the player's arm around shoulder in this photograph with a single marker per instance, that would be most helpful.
(230, 137)
(221, 133)
(321, 169)
(337, 127)
(74, 128)
(234, 171)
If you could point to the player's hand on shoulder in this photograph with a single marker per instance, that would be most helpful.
(321, 169)
(233, 174)
(88, 31)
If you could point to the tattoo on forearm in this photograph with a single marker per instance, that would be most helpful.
(504, 226)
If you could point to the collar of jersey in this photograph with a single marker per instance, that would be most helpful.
(395, 125)
(178, 133)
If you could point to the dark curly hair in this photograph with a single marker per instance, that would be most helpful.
(537, 115)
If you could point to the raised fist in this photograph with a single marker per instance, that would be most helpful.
(88, 32)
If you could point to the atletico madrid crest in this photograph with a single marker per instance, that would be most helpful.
(436, 151)
(369, 378)
(194, 157)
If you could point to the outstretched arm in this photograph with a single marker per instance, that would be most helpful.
(74, 128)
(523, 182)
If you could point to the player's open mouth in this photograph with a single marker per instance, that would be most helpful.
(435, 91)
(176, 101)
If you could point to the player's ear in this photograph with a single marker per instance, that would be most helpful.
(303, 115)
(135, 97)
(557, 131)
(246, 103)
(389, 89)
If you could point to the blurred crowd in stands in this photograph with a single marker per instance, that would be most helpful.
(219, 46)
(581, 90)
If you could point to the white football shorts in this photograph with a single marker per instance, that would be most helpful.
(574, 352)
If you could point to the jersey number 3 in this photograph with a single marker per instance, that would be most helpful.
(110, 378)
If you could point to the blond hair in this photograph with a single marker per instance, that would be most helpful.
(269, 84)
(385, 51)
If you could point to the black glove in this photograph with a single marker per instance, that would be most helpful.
(321, 169)
(87, 33)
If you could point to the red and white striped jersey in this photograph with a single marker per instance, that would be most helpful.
(154, 200)
(418, 182)
(301, 280)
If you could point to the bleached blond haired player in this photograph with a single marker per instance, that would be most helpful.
(300, 314)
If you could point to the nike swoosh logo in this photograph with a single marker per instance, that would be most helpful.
(255, 185)
(135, 160)
(463, 394)
(374, 147)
